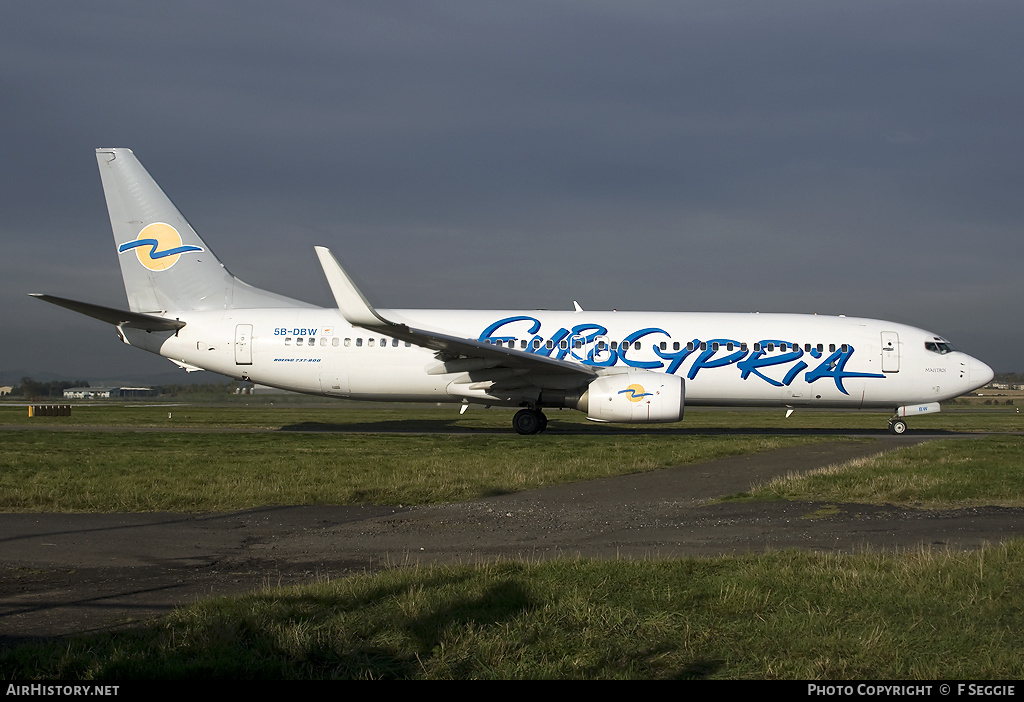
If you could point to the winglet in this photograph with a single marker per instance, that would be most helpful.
(353, 305)
(358, 312)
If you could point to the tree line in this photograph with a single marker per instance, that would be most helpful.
(54, 388)
(29, 388)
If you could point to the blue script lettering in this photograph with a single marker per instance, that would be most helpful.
(586, 343)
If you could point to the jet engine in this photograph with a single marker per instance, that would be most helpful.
(636, 396)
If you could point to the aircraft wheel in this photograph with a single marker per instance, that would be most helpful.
(897, 426)
(529, 421)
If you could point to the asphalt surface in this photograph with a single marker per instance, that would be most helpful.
(68, 573)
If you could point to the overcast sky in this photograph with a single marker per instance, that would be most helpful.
(861, 158)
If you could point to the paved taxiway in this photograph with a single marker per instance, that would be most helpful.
(66, 573)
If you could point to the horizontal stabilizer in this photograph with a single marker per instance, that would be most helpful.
(119, 318)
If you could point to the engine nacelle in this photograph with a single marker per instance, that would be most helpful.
(636, 396)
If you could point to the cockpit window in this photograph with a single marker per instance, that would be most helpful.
(939, 347)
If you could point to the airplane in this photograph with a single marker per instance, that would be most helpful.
(615, 366)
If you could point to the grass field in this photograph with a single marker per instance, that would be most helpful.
(784, 615)
(924, 615)
(115, 471)
(144, 457)
(939, 474)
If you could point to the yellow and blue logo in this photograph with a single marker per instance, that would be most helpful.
(635, 392)
(165, 246)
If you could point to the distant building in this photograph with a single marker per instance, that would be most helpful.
(105, 393)
(6, 389)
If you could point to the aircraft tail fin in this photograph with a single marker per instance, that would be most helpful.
(165, 265)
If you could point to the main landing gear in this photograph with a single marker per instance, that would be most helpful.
(530, 421)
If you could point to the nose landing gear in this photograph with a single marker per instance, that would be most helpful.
(897, 426)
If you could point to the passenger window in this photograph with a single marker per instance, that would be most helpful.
(323, 341)
(335, 341)
(359, 341)
(675, 345)
(298, 341)
(287, 341)
(846, 347)
(831, 348)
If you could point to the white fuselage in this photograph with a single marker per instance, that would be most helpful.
(725, 359)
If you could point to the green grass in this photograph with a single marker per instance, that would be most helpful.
(924, 615)
(115, 471)
(937, 474)
(134, 457)
(921, 615)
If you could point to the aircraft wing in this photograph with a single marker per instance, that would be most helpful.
(359, 312)
(110, 315)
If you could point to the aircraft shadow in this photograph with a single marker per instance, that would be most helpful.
(452, 426)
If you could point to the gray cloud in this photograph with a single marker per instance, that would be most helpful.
(789, 156)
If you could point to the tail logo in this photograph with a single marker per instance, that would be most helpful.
(635, 392)
(164, 246)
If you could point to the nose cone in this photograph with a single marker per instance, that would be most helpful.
(978, 373)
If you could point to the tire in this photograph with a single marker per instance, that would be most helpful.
(897, 426)
(528, 421)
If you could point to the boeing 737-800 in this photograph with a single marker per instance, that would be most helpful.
(614, 366)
